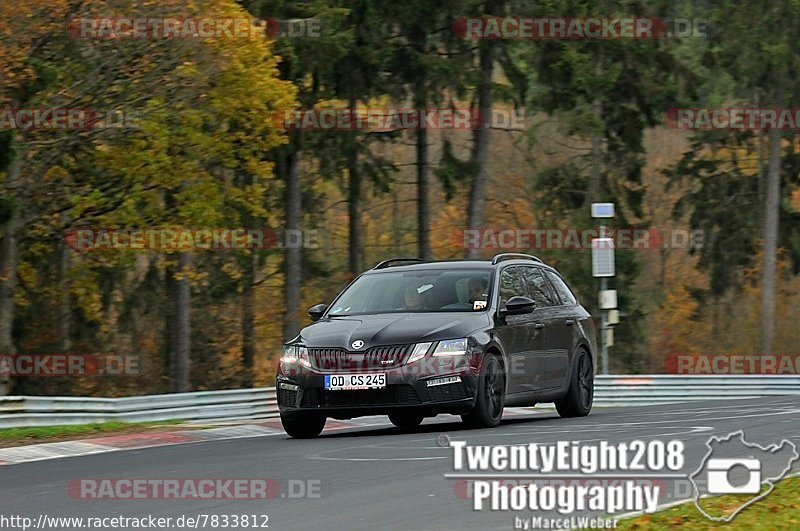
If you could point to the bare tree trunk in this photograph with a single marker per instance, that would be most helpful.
(171, 326)
(423, 196)
(481, 147)
(769, 266)
(354, 215)
(248, 320)
(8, 262)
(760, 168)
(396, 236)
(594, 178)
(354, 205)
(593, 193)
(183, 335)
(65, 308)
(293, 258)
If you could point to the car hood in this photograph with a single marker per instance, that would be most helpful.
(390, 329)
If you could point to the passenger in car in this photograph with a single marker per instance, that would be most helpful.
(477, 289)
(412, 297)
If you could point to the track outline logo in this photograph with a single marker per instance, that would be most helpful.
(771, 481)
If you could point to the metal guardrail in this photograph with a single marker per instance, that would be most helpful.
(261, 403)
(238, 404)
(641, 390)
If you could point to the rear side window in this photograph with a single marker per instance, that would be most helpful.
(564, 293)
(538, 289)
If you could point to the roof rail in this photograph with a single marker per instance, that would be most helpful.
(387, 263)
(511, 256)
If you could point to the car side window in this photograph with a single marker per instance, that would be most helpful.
(511, 284)
(538, 290)
(564, 293)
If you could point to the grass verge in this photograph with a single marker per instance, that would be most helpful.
(779, 510)
(16, 436)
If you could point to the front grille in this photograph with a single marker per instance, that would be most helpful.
(287, 397)
(392, 395)
(448, 392)
(341, 360)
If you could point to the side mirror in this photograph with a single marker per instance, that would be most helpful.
(316, 312)
(519, 305)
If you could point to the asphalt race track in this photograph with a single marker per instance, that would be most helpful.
(374, 477)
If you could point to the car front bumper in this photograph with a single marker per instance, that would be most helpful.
(440, 386)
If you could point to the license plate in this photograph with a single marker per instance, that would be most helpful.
(346, 382)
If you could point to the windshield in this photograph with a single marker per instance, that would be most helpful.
(462, 290)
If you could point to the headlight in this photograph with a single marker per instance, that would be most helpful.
(420, 349)
(295, 354)
(451, 347)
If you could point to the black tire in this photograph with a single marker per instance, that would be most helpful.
(303, 425)
(405, 420)
(580, 395)
(488, 409)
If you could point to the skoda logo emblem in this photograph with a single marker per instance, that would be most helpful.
(358, 344)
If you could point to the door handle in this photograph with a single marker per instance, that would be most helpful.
(539, 325)
(569, 322)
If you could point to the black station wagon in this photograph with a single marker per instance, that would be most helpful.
(412, 338)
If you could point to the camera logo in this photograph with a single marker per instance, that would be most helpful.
(733, 466)
(720, 473)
